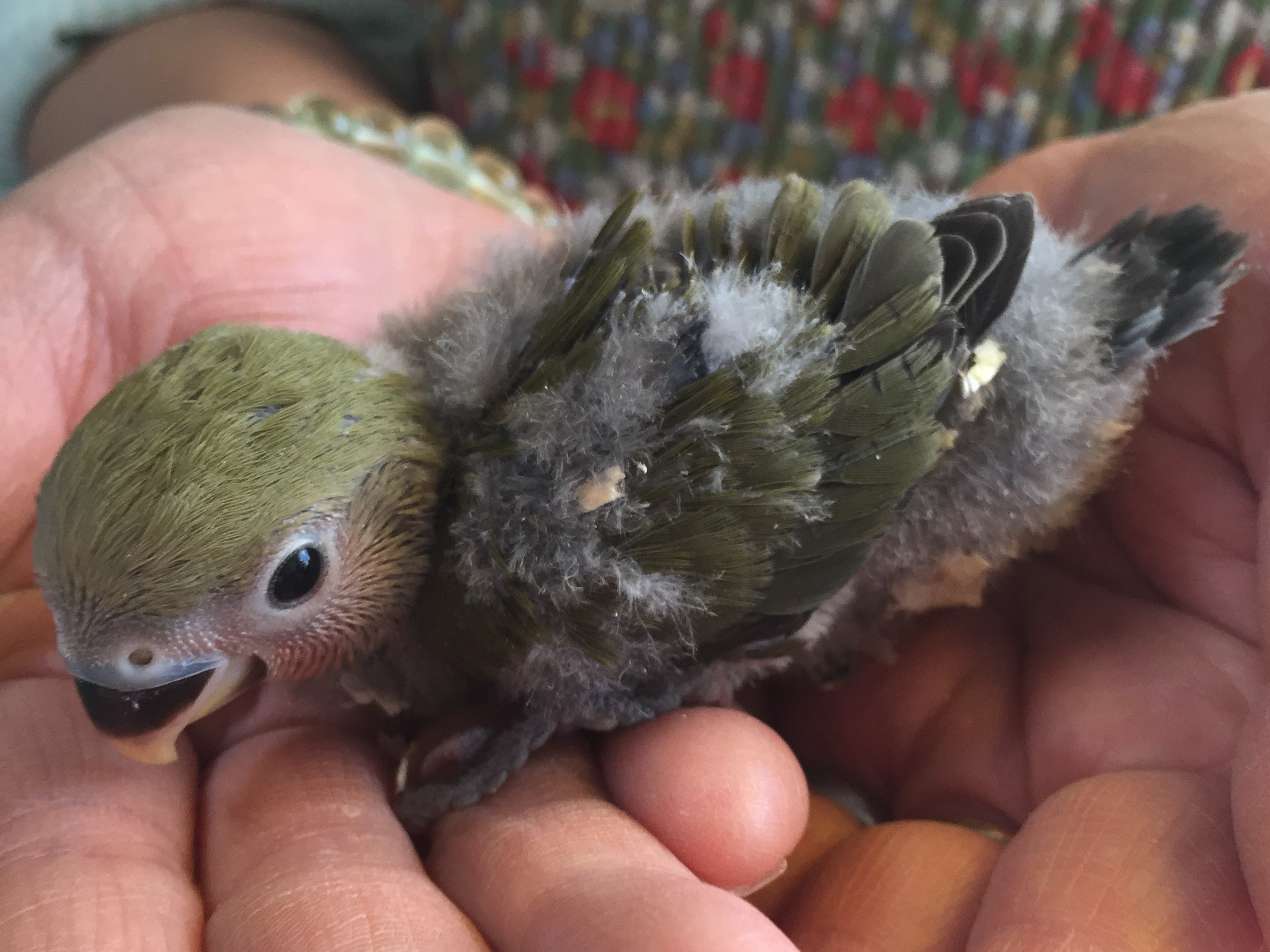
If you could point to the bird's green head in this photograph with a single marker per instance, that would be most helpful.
(252, 502)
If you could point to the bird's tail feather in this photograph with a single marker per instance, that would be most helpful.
(1173, 270)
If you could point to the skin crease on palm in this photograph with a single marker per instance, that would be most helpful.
(1109, 702)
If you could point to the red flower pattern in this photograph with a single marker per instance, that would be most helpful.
(825, 12)
(532, 169)
(725, 54)
(740, 83)
(715, 27)
(1097, 31)
(542, 73)
(1125, 84)
(858, 109)
(1244, 69)
(910, 106)
(862, 99)
(605, 106)
(977, 68)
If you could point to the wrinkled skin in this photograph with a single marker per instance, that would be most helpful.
(1110, 701)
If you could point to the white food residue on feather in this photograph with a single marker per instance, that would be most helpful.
(988, 359)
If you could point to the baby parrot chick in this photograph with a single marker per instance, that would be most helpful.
(689, 443)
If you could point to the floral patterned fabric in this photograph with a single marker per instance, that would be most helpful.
(592, 96)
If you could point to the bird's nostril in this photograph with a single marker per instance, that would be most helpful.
(141, 657)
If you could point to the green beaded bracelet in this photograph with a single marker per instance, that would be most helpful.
(428, 146)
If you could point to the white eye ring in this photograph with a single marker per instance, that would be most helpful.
(291, 585)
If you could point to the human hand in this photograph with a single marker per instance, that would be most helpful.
(274, 830)
(1110, 701)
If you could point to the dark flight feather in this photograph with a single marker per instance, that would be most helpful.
(765, 472)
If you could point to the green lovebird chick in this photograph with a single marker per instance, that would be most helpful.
(687, 445)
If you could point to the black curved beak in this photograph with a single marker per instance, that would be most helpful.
(131, 713)
(144, 724)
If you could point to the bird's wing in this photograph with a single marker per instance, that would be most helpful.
(711, 422)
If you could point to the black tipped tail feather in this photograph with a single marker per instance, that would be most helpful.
(1173, 270)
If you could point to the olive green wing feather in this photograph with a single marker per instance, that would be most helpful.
(565, 340)
(819, 468)
(721, 413)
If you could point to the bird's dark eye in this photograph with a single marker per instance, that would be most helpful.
(296, 577)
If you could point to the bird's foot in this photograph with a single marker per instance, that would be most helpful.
(455, 762)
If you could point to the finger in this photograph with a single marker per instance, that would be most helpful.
(1244, 345)
(828, 824)
(966, 725)
(1250, 779)
(1140, 860)
(27, 648)
(739, 795)
(1052, 174)
(548, 863)
(1102, 668)
(1187, 518)
(301, 851)
(934, 734)
(95, 851)
(899, 886)
(1212, 151)
(217, 232)
(188, 218)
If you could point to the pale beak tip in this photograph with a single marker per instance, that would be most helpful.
(145, 724)
(152, 749)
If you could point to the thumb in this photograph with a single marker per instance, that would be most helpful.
(187, 218)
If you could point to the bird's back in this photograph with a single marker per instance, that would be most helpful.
(699, 423)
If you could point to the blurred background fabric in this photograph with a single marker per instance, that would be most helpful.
(589, 97)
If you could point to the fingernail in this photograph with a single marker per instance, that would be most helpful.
(990, 830)
(754, 887)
